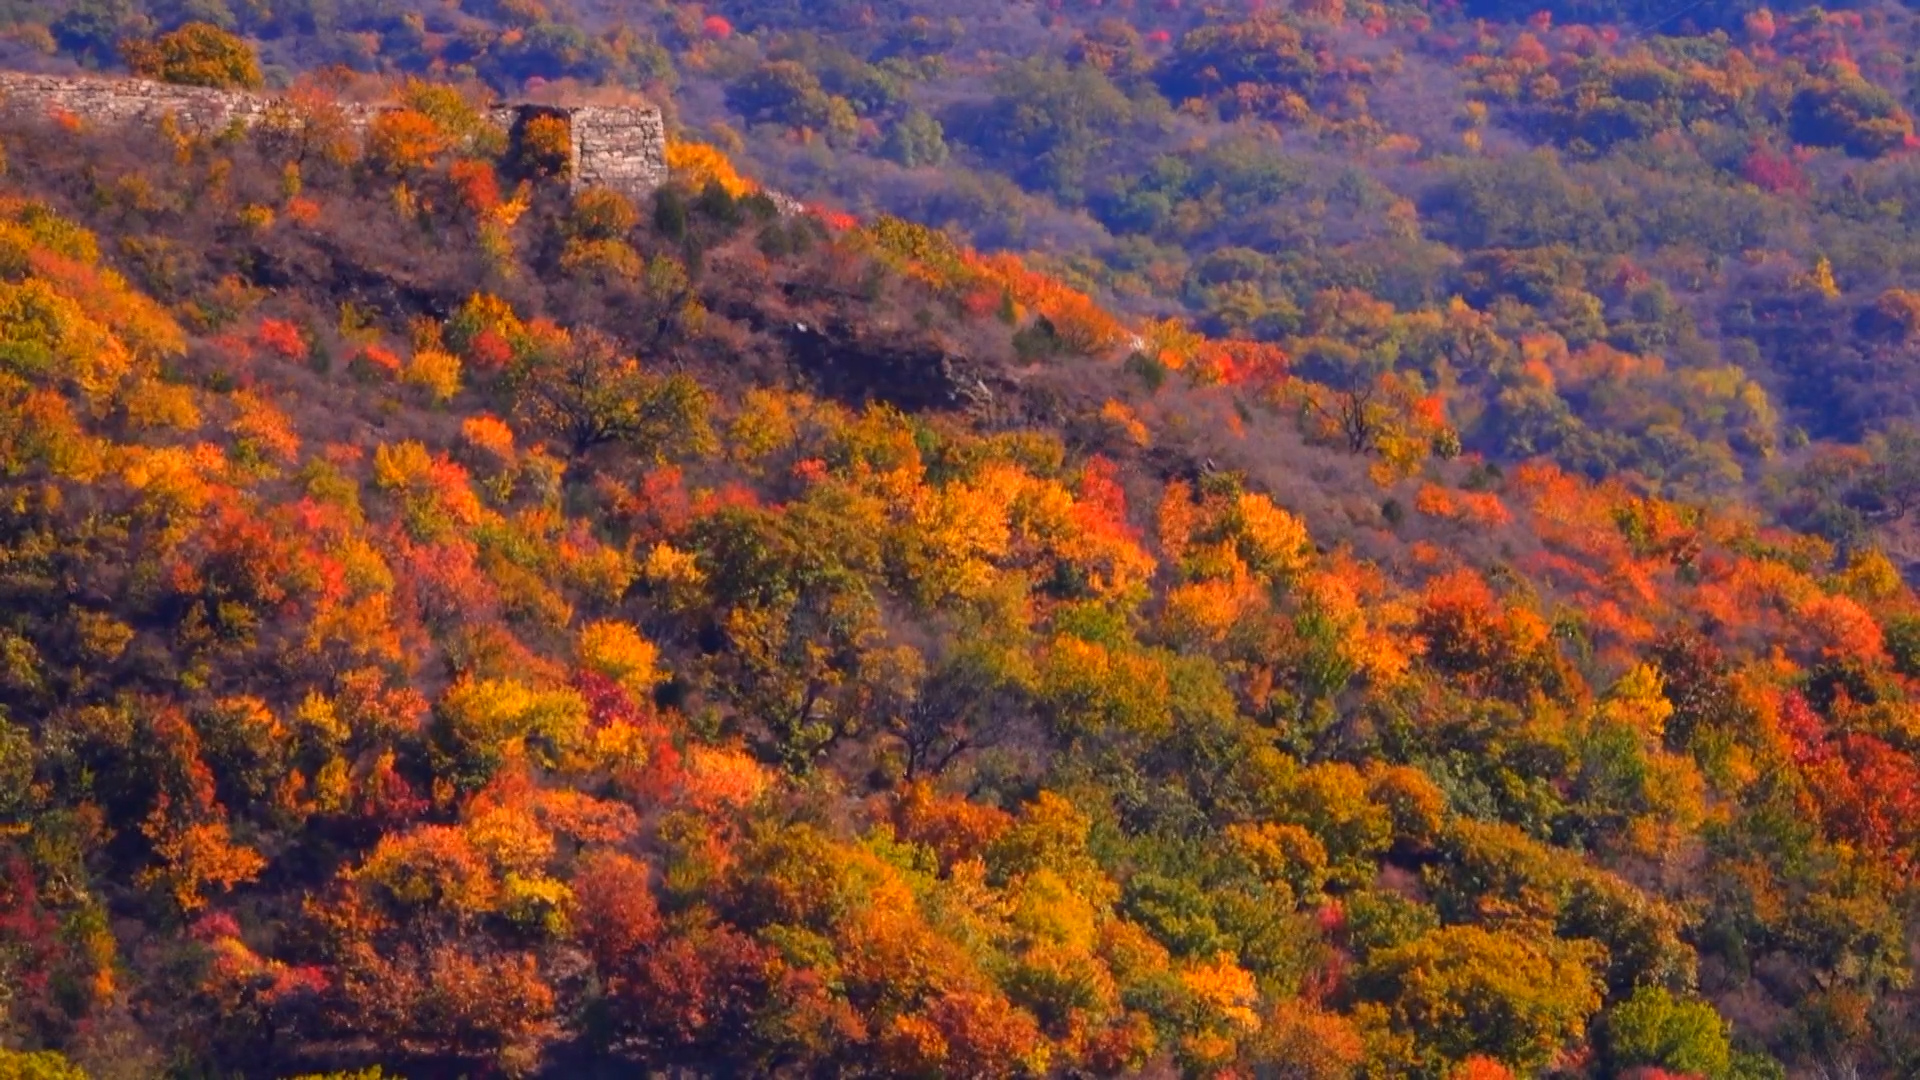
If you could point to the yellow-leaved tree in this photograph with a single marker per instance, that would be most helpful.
(197, 54)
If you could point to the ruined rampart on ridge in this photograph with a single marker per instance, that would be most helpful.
(615, 146)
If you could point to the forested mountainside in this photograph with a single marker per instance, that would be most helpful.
(1676, 245)
(1312, 541)
(1666, 240)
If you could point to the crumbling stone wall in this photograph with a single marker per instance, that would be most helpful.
(621, 147)
(122, 101)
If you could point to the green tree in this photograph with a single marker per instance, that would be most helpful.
(16, 770)
(1051, 125)
(589, 393)
(782, 92)
(92, 30)
(1655, 1028)
(917, 140)
(806, 655)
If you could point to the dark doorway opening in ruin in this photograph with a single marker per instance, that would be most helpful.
(540, 143)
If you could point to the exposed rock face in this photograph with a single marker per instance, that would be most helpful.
(914, 372)
(621, 147)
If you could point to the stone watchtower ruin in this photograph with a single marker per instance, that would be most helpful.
(623, 147)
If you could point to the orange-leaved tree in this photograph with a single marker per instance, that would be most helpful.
(197, 54)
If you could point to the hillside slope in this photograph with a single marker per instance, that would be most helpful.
(1669, 242)
(456, 627)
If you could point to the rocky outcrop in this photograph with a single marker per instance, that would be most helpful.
(616, 146)
(915, 372)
